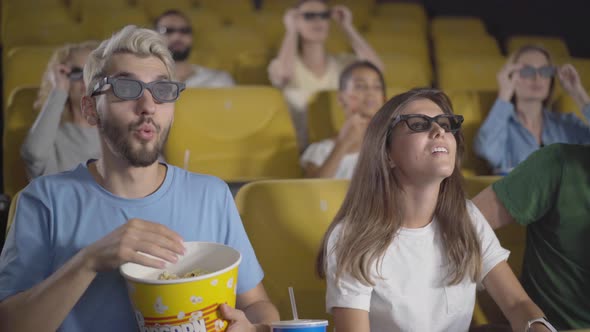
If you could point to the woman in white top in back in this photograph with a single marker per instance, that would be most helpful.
(407, 249)
(303, 65)
(361, 94)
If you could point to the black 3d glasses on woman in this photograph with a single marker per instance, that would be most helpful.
(170, 30)
(308, 16)
(420, 123)
(530, 71)
(131, 89)
(76, 74)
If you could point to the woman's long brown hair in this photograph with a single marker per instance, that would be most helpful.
(371, 214)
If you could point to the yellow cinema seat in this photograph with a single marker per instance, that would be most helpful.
(101, 24)
(474, 106)
(238, 134)
(402, 10)
(285, 221)
(154, 8)
(451, 26)
(405, 71)
(469, 73)
(511, 237)
(24, 66)
(20, 118)
(460, 46)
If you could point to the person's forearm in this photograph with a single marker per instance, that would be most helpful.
(361, 48)
(330, 166)
(261, 314)
(285, 60)
(45, 306)
(581, 98)
(41, 137)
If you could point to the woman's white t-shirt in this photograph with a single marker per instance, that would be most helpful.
(317, 153)
(304, 84)
(411, 294)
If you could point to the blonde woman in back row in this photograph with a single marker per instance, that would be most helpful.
(61, 137)
(407, 250)
(303, 66)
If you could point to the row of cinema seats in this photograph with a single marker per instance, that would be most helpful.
(232, 36)
(230, 133)
(285, 221)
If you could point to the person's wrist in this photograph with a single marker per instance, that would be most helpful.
(581, 96)
(348, 27)
(505, 95)
(343, 146)
(291, 30)
(87, 261)
(539, 324)
(261, 328)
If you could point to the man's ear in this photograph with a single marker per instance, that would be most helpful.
(88, 105)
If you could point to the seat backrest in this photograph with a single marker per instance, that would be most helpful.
(230, 11)
(251, 68)
(231, 40)
(406, 26)
(43, 31)
(402, 10)
(469, 73)
(238, 134)
(398, 43)
(266, 23)
(285, 221)
(512, 237)
(153, 8)
(474, 107)
(457, 46)
(101, 23)
(24, 66)
(406, 71)
(20, 117)
(555, 45)
(456, 25)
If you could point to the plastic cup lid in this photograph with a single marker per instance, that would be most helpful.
(300, 323)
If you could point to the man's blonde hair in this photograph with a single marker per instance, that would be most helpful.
(133, 40)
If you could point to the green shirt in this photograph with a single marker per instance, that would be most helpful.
(550, 194)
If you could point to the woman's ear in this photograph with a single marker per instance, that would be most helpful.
(88, 105)
(341, 100)
(390, 162)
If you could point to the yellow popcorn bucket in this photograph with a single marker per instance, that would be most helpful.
(185, 304)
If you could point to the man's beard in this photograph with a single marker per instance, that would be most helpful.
(180, 55)
(118, 138)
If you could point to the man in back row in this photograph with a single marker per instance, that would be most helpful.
(176, 29)
(71, 231)
(550, 194)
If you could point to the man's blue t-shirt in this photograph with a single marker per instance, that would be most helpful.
(58, 215)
